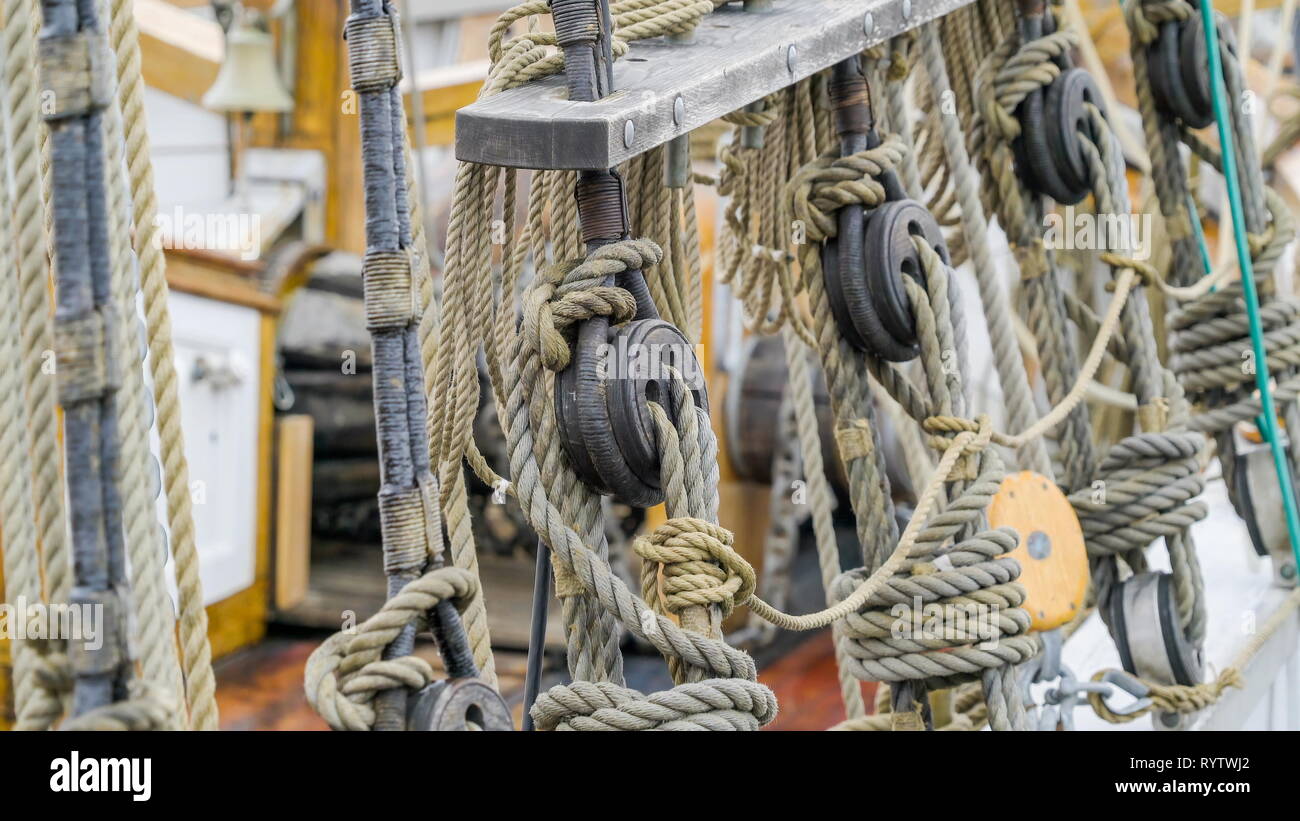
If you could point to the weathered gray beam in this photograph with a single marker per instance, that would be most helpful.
(737, 57)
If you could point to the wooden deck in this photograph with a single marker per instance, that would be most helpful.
(261, 688)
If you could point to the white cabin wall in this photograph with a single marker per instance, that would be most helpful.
(189, 146)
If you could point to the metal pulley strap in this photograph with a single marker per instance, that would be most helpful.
(77, 66)
(408, 504)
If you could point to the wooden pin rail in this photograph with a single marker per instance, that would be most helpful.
(737, 57)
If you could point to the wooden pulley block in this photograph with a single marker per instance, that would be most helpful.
(457, 705)
(1180, 68)
(1066, 115)
(871, 306)
(601, 403)
(752, 420)
(1053, 560)
(752, 411)
(1258, 495)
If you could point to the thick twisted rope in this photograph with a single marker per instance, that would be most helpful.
(155, 623)
(348, 672)
(702, 580)
(713, 704)
(1009, 74)
(196, 652)
(29, 197)
(37, 704)
(530, 429)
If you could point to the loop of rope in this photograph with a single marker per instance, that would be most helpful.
(700, 566)
(822, 187)
(712, 704)
(567, 295)
(346, 673)
(1013, 71)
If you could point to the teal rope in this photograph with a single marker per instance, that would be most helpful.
(1247, 277)
(1199, 232)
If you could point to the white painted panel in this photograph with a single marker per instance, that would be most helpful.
(220, 419)
(188, 146)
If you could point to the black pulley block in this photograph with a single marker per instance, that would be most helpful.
(1047, 152)
(600, 398)
(1180, 69)
(871, 306)
(1066, 116)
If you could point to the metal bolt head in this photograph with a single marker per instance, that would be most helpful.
(868, 24)
(907, 9)
(1039, 545)
(791, 55)
(1287, 571)
(679, 111)
(629, 134)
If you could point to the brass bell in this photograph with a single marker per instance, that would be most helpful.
(248, 80)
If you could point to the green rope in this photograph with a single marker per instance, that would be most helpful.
(1269, 412)
(1199, 233)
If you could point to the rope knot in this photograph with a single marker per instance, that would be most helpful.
(1144, 18)
(700, 566)
(1144, 270)
(571, 293)
(971, 435)
(1012, 72)
(830, 182)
